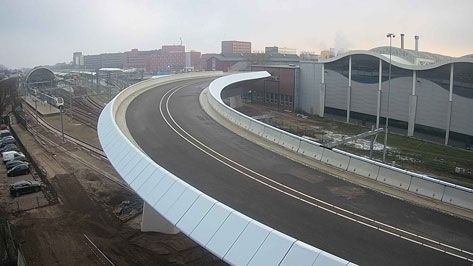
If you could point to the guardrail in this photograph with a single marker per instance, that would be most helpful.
(229, 234)
(416, 183)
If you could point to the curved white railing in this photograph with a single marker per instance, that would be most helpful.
(416, 183)
(230, 235)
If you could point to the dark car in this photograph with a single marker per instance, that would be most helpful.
(24, 187)
(6, 138)
(4, 133)
(9, 147)
(14, 163)
(6, 141)
(21, 169)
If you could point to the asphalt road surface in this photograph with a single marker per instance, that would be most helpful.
(352, 222)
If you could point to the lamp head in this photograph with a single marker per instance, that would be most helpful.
(390, 35)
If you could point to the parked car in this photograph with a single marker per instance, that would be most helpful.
(3, 127)
(9, 147)
(24, 187)
(6, 138)
(4, 133)
(14, 163)
(21, 169)
(6, 141)
(12, 155)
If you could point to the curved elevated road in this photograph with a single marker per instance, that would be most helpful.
(357, 224)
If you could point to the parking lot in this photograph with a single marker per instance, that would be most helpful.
(22, 202)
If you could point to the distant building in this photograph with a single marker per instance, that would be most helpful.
(77, 59)
(137, 59)
(326, 54)
(193, 61)
(236, 47)
(278, 90)
(428, 94)
(169, 58)
(113, 60)
(279, 50)
(93, 61)
(224, 62)
(309, 56)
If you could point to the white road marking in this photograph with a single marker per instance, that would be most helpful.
(177, 88)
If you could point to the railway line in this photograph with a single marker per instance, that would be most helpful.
(83, 108)
(95, 152)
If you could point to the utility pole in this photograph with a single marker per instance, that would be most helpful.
(390, 36)
(70, 107)
(62, 123)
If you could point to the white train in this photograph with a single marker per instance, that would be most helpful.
(54, 101)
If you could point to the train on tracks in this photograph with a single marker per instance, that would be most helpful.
(54, 101)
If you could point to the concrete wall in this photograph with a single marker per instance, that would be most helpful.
(309, 87)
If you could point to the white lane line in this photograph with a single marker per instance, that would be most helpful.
(177, 88)
(303, 194)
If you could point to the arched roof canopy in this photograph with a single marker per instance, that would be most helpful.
(40, 75)
(398, 63)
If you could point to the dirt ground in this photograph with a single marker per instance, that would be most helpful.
(57, 234)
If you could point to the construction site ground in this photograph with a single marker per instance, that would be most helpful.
(91, 204)
(417, 155)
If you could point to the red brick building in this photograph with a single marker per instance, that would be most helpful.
(236, 47)
(167, 59)
(193, 61)
(279, 89)
(137, 59)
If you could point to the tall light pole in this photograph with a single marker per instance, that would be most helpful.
(62, 123)
(390, 36)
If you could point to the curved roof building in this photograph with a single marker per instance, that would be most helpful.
(429, 93)
(40, 76)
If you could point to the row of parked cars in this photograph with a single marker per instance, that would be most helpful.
(16, 164)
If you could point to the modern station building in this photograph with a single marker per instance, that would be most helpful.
(429, 93)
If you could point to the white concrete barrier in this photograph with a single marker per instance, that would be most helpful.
(257, 128)
(247, 244)
(301, 254)
(458, 197)
(327, 259)
(227, 234)
(335, 159)
(394, 178)
(271, 134)
(311, 150)
(290, 142)
(230, 235)
(363, 168)
(427, 188)
(350, 162)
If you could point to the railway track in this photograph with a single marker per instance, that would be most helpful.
(95, 152)
(83, 109)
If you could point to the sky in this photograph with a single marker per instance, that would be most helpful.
(45, 32)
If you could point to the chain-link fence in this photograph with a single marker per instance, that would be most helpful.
(10, 250)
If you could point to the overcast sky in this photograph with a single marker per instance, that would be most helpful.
(46, 32)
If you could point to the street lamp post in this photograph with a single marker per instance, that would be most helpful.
(390, 36)
(62, 123)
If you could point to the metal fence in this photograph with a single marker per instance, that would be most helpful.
(11, 251)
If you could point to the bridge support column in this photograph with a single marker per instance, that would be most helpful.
(450, 103)
(412, 106)
(322, 100)
(378, 104)
(412, 115)
(152, 221)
